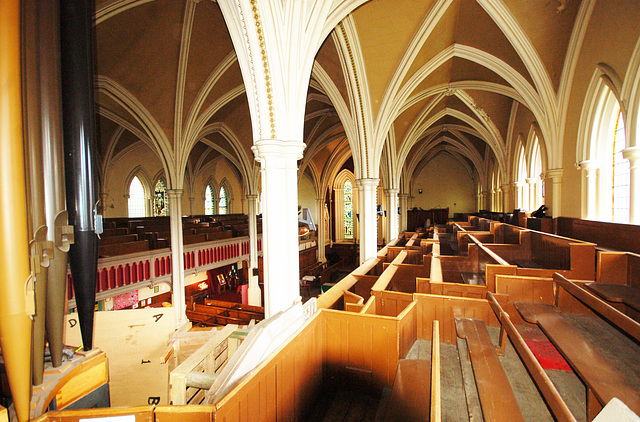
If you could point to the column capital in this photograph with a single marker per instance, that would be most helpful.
(252, 196)
(632, 154)
(505, 187)
(264, 148)
(403, 195)
(531, 180)
(369, 182)
(588, 165)
(392, 191)
(175, 193)
(554, 174)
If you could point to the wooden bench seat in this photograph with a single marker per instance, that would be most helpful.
(618, 293)
(603, 379)
(411, 392)
(497, 399)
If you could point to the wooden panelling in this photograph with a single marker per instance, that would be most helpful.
(392, 303)
(445, 309)
(202, 413)
(361, 346)
(612, 267)
(459, 290)
(524, 289)
(285, 386)
(407, 328)
(621, 237)
(141, 414)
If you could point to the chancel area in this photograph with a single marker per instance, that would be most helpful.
(321, 210)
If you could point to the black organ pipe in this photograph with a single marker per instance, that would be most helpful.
(79, 129)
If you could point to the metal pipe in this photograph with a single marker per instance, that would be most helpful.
(60, 233)
(79, 130)
(16, 290)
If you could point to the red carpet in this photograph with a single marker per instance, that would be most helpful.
(547, 355)
(545, 352)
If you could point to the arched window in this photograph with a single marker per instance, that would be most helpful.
(160, 203)
(537, 199)
(209, 202)
(137, 201)
(620, 171)
(347, 191)
(222, 202)
(523, 189)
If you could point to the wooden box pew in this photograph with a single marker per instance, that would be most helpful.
(352, 302)
(607, 370)
(116, 231)
(332, 299)
(618, 281)
(462, 237)
(432, 287)
(110, 240)
(219, 235)
(544, 255)
(118, 249)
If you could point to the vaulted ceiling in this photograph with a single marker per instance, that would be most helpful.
(434, 76)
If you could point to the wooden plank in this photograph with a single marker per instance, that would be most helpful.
(621, 320)
(620, 293)
(496, 395)
(557, 405)
(134, 341)
(411, 391)
(436, 401)
(178, 377)
(600, 376)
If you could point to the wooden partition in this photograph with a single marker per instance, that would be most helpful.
(445, 309)
(364, 348)
(285, 386)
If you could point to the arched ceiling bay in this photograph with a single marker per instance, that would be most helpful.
(439, 75)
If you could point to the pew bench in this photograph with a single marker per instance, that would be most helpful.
(617, 293)
(497, 399)
(603, 379)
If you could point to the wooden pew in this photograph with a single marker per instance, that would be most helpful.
(554, 401)
(123, 248)
(415, 395)
(110, 240)
(494, 390)
(604, 379)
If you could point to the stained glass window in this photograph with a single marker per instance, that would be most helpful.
(348, 209)
(136, 199)
(621, 176)
(160, 203)
(208, 201)
(222, 203)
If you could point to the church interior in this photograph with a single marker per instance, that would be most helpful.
(323, 210)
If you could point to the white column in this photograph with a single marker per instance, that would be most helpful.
(255, 297)
(278, 167)
(556, 190)
(518, 188)
(177, 257)
(392, 213)
(506, 198)
(532, 193)
(367, 189)
(403, 211)
(589, 203)
(320, 227)
(633, 155)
